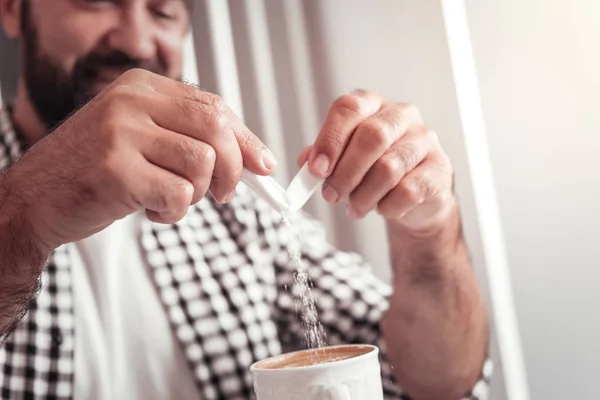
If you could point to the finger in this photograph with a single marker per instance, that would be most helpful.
(163, 192)
(209, 125)
(430, 182)
(371, 140)
(303, 156)
(344, 116)
(189, 158)
(404, 156)
(256, 156)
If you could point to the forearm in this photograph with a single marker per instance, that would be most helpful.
(22, 260)
(436, 326)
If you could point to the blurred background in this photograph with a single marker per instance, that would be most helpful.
(538, 64)
(523, 133)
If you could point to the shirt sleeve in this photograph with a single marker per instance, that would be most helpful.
(350, 299)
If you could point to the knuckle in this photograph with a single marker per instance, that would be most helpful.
(121, 97)
(424, 186)
(212, 120)
(407, 155)
(194, 156)
(135, 74)
(426, 133)
(410, 112)
(378, 134)
(187, 152)
(408, 190)
(217, 102)
(217, 122)
(118, 94)
(388, 168)
(394, 119)
(348, 105)
(205, 153)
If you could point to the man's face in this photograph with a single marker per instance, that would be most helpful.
(72, 49)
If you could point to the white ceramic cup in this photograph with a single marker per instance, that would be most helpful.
(354, 378)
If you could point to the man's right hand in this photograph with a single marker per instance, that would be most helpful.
(146, 142)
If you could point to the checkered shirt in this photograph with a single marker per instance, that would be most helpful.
(224, 277)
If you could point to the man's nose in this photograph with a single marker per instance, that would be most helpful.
(134, 34)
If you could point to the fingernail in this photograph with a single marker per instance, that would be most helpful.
(330, 194)
(321, 164)
(351, 213)
(268, 159)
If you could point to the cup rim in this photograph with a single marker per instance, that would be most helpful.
(373, 350)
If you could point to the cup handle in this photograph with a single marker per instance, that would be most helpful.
(338, 392)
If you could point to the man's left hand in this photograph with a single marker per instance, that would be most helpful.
(379, 155)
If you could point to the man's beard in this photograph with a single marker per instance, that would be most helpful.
(56, 93)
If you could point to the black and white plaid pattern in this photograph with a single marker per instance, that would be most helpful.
(224, 277)
(37, 358)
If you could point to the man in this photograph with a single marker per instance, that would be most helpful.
(151, 287)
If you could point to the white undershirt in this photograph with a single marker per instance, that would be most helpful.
(124, 346)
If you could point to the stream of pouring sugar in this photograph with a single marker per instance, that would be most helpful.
(302, 291)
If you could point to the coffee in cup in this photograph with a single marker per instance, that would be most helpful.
(346, 372)
(309, 358)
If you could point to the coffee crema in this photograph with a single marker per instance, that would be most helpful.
(307, 358)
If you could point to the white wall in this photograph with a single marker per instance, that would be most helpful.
(539, 71)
